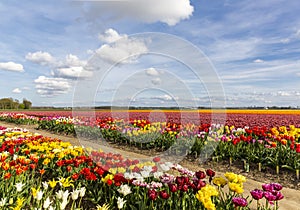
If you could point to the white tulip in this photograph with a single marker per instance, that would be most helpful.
(15, 157)
(47, 203)
(82, 191)
(63, 204)
(145, 174)
(120, 203)
(19, 186)
(45, 185)
(75, 194)
(59, 194)
(39, 195)
(3, 202)
(157, 174)
(65, 195)
(124, 189)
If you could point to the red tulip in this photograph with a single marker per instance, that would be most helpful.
(75, 176)
(173, 188)
(7, 175)
(200, 174)
(69, 168)
(60, 163)
(163, 194)
(210, 173)
(109, 182)
(152, 194)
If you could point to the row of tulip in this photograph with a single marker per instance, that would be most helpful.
(39, 172)
(19, 118)
(237, 117)
(277, 147)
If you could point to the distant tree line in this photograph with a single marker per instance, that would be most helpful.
(10, 103)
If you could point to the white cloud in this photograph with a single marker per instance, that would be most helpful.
(269, 70)
(258, 61)
(17, 90)
(298, 33)
(233, 50)
(110, 36)
(43, 58)
(283, 93)
(72, 67)
(285, 41)
(125, 50)
(167, 97)
(73, 60)
(270, 97)
(90, 52)
(156, 81)
(47, 86)
(167, 11)
(11, 66)
(152, 72)
(72, 72)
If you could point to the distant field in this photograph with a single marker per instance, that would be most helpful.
(222, 111)
(237, 117)
(229, 111)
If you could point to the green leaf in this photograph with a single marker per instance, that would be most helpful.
(288, 167)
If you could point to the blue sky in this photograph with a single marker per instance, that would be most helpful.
(199, 53)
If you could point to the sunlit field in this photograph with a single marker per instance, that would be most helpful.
(45, 172)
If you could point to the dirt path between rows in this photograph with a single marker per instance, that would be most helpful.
(290, 202)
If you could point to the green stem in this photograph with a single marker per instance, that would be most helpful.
(72, 207)
(80, 202)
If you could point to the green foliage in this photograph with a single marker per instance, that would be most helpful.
(10, 103)
(27, 104)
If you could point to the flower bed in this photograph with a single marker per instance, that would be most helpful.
(40, 172)
(276, 147)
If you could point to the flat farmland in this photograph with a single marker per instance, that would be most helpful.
(236, 117)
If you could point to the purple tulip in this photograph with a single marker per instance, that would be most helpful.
(238, 201)
(257, 194)
(268, 187)
(278, 194)
(224, 138)
(276, 186)
(269, 196)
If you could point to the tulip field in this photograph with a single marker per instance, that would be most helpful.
(39, 172)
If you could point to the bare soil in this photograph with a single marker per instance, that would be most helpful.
(255, 178)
